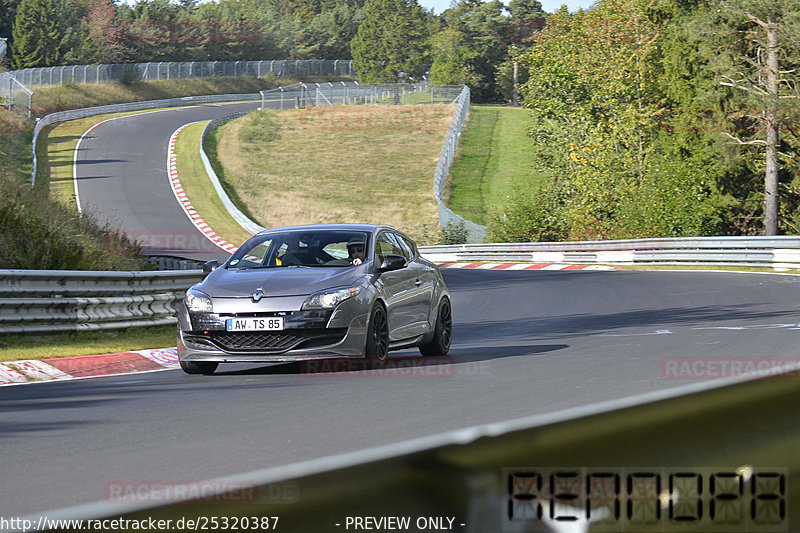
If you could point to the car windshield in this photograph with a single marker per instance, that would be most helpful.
(320, 248)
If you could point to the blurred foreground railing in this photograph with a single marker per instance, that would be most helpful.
(714, 456)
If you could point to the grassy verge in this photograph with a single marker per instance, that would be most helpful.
(199, 189)
(14, 347)
(371, 164)
(493, 152)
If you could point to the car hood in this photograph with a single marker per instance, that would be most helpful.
(286, 281)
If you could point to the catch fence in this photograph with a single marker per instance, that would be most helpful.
(166, 70)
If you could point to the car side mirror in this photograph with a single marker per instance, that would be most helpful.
(209, 266)
(392, 262)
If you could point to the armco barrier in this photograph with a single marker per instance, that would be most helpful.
(39, 300)
(33, 301)
(779, 252)
(716, 456)
(242, 219)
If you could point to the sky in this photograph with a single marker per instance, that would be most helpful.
(547, 5)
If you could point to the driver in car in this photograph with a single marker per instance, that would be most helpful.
(355, 250)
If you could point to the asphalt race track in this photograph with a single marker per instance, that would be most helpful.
(122, 180)
(524, 343)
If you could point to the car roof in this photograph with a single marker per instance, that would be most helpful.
(372, 228)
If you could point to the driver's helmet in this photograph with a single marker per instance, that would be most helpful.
(356, 241)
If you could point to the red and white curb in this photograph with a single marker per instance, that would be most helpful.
(82, 366)
(180, 195)
(523, 266)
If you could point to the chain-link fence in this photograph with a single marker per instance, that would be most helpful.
(353, 93)
(14, 94)
(475, 232)
(3, 47)
(164, 70)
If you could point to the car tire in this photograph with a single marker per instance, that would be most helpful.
(439, 344)
(377, 346)
(198, 368)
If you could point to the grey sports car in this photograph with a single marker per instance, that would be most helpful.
(313, 292)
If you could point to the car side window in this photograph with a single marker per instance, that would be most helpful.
(399, 250)
(386, 245)
(407, 247)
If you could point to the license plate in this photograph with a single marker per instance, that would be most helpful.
(274, 323)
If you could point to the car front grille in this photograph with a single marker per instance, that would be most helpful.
(275, 341)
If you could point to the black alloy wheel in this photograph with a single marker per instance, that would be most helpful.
(442, 333)
(377, 334)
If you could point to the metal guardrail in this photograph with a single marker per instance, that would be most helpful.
(772, 252)
(242, 219)
(659, 454)
(45, 300)
(33, 301)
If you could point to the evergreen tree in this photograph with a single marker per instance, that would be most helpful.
(8, 11)
(754, 47)
(471, 47)
(41, 33)
(525, 9)
(392, 40)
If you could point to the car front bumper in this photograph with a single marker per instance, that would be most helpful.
(307, 336)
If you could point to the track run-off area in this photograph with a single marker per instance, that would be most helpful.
(525, 343)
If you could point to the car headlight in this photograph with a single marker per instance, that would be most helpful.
(198, 302)
(329, 298)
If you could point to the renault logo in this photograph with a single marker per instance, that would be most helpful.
(257, 295)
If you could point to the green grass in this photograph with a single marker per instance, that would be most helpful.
(371, 164)
(493, 152)
(15, 149)
(200, 190)
(14, 347)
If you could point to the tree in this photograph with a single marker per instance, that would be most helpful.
(754, 47)
(392, 40)
(105, 32)
(604, 135)
(8, 11)
(471, 47)
(525, 9)
(42, 36)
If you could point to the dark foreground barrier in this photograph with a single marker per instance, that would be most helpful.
(725, 459)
